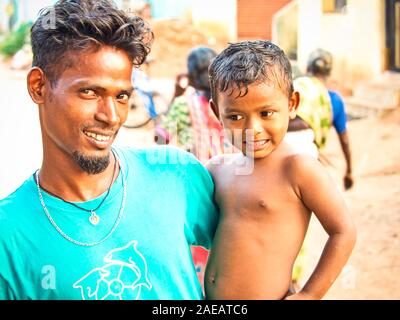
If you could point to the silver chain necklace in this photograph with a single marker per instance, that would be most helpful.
(94, 219)
(79, 243)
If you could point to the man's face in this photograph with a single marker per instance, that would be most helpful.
(81, 115)
(257, 121)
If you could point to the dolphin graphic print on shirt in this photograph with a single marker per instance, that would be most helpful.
(122, 276)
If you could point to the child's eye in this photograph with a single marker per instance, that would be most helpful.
(267, 113)
(235, 117)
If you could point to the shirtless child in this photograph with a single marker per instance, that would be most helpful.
(265, 214)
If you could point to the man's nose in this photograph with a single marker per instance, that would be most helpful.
(107, 112)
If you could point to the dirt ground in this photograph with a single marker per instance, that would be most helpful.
(374, 201)
(173, 39)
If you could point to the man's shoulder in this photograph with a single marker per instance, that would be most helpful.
(166, 163)
(224, 161)
(161, 160)
(157, 155)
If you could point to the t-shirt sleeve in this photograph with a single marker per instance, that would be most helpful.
(202, 213)
(339, 113)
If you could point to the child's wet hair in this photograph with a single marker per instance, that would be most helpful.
(250, 62)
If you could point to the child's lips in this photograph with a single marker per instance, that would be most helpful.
(257, 144)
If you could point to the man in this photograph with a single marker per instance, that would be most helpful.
(319, 109)
(96, 222)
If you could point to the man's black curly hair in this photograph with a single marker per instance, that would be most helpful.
(78, 25)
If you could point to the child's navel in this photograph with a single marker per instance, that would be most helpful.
(211, 278)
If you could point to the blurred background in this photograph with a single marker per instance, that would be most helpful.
(363, 37)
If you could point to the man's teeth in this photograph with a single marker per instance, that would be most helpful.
(98, 137)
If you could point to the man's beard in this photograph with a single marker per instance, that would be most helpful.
(91, 165)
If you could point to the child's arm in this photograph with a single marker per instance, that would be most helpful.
(319, 194)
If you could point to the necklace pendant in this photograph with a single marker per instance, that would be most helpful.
(94, 219)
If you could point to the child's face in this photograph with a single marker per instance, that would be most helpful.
(259, 120)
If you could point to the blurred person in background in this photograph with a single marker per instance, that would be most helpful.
(189, 122)
(319, 109)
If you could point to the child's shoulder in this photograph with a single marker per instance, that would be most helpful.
(298, 160)
(297, 164)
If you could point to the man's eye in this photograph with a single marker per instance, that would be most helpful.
(267, 113)
(235, 117)
(124, 97)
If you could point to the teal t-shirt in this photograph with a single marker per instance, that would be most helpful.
(168, 207)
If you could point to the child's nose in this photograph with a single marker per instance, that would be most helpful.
(255, 125)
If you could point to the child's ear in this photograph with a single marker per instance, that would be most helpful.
(214, 108)
(294, 104)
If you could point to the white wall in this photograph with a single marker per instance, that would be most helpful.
(356, 39)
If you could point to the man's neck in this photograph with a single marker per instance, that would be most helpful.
(65, 179)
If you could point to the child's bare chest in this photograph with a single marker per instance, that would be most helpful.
(262, 193)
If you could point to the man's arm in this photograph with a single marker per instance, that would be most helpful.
(202, 211)
(340, 124)
(320, 195)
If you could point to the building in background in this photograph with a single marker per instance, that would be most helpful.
(362, 35)
(254, 18)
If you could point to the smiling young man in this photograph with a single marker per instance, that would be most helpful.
(98, 222)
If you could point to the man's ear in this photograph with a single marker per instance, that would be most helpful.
(294, 104)
(36, 85)
(214, 108)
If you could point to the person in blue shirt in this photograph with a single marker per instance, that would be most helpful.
(339, 122)
(319, 67)
(97, 222)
